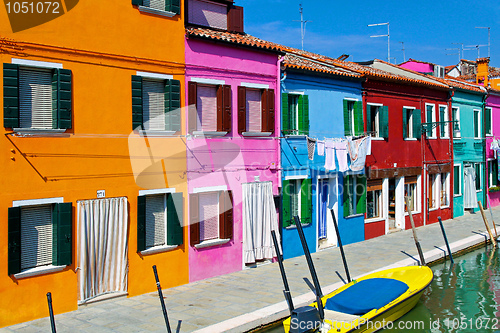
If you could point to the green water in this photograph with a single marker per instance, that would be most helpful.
(464, 297)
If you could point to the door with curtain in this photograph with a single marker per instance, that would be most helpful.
(102, 247)
(259, 218)
(470, 194)
(327, 200)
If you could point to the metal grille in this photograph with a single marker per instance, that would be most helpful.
(209, 216)
(35, 99)
(206, 104)
(155, 4)
(153, 99)
(36, 236)
(208, 14)
(254, 110)
(155, 220)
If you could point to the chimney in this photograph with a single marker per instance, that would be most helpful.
(482, 71)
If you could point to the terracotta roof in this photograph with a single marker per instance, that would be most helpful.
(300, 62)
(235, 38)
(464, 85)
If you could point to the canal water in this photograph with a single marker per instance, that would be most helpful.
(464, 297)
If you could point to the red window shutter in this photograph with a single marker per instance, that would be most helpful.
(226, 215)
(235, 19)
(265, 111)
(194, 219)
(192, 106)
(242, 110)
(270, 110)
(220, 108)
(226, 118)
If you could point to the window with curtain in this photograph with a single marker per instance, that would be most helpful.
(487, 121)
(209, 107)
(254, 110)
(411, 192)
(455, 114)
(477, 168)
(443, 118)
(493, 173)
(457, 180)
(445, 189)
(209, 216)
(432, 195)
(164, 7)
(354, 195)
(374, 199)
(477, 124)
(206, 106)
(153, 101)
(297, 201)
(353, 117)
(208, 14)
(430, 117)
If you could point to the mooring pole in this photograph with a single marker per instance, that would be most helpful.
(492, 239)
(162, 301)
(51, 313)
(341, 247)
(415, 238)
(491, 213)
(286, 292)
(445, 239)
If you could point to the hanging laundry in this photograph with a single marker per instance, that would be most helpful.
(329, 155)
(311, 146)
(470, 196)
(357, 152)
(341, 152)
(495, 147)
(321, 148)
(369, 146)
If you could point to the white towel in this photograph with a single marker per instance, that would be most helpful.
(321, 148)
(341, 151)
(329, 155)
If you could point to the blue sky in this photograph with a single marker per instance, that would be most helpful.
(427, 27)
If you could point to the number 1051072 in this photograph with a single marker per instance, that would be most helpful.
(33, 7)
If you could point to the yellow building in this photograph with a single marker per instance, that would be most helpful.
(89, 204)
(487, 76)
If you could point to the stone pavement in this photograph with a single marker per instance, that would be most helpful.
(203, 305)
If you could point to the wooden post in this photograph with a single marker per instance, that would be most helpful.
(492, 220)
(492, 239)
(415, 238)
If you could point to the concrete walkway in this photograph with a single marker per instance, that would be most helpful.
(244, 300)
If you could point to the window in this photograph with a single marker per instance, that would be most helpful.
(156, 104)
(354, 195)
(445, 189)
(255, 111)
(353, 118)
(377, 120)
(411, 123)
(159, 220)
(167, 8)
(477, 169)
(297, 201)
(39, 235)
(488, 121)
(411, 192)
(493, 173)
(455, 113)
(208, 14)
(457, 180)
(211, 215)
(295, 113)
(477, 124)
(37, 98)
(432, 192)
(374, 199)
(209, 107)
(430, 117)
(444, 118)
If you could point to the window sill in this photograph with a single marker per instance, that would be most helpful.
(156, 133)
(457, 195)
(291, 227)
(411, 139)
(355, 215)
(294, 136)
(39, 132)
(413, 213)
(375, 219)
(211, 242)
(377, 138)
(158, 249)
(481, 190)
(489, 135)
(39, 271)
(209, 133)
(156, 11)
(433, 209)
(445, 207)
(251, 134)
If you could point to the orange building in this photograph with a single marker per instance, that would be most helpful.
(93, 159)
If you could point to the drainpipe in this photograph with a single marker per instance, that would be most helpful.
(277, 100)
(451, 93)
(486, 187)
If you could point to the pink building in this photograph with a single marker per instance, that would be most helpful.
(232, 150)
(492, 130)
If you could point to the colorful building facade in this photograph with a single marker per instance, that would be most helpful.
(492, 131)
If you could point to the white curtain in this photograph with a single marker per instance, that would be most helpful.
(102, 247)
(470, 196)
(259, 218)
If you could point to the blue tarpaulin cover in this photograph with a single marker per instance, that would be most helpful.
(366, 295)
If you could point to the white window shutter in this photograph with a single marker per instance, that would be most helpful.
(209, 216)
(36, 236)
(254, 110)
(155, 220)
(153, 99)
(35, 99)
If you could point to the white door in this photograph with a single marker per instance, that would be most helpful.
(102, 247)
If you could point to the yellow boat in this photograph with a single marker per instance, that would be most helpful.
(367, 304)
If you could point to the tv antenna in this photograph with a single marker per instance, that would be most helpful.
(388, 38)
(302, 25)
(403, 49)
(472, 47)
(488, 40)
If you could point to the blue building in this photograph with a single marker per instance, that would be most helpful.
(316, 94)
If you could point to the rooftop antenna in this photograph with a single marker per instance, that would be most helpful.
(488, 40)
(461, 55)
(403, 49)
(302, 25)
(472, 47)
(456, 49)
(388, 38)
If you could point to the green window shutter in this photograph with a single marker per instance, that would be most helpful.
(495, 173)
(61, 98)
(137, 2)
(172, 105)
(306, 201)
(347, 196)
(417, 123)
(441, 125)
(62, 227)
(384, 121)
(303, 114)
(369, 127)
(14, 239)
(358, 118)
(137, 102)
(287, 216)
(141, 223)
(360, 197)
(174, 218)
(405, 123)
(347, 119)
(173, 6)
(285, 119)
(10, 95)
(487, 120)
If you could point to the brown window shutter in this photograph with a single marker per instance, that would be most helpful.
(192, 96)
(235, 19)
(265, 111)
(270, 109)
(226, 215)
(194, 219)
(226, 118)
(242, 110)
(220, 108)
